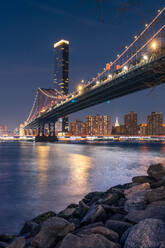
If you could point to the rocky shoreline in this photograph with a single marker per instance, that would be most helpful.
(129, 216)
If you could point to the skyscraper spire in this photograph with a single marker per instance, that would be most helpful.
(117, 122)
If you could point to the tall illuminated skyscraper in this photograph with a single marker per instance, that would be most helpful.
(61, 72)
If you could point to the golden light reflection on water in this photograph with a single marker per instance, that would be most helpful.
(42, 156)
(80, 166)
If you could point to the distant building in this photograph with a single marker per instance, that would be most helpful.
(21, 130)
(98, 125)
(61, 72)
(3, 130)
(58, 126)
(155, 123)
(163, 129)
(118, 130)
(143, 129)
(77, 128)
(131, 124)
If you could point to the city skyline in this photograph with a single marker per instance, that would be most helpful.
(28, 63)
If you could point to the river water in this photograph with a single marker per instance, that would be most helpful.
(38, 177)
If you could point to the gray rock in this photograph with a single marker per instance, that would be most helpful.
(30, 227)
(159, 183)
(142, 179)
(137, 201)
(118, 226)
(42, 217)
(66, 213)
(109, 234)
(149, 233)
(18, 243)
(82, 208)
(51, 231)
(7, 237)
(157, 212)
(87, 241)
(94, 214)
(109, 199)
(120, 217)
(137, 188)
(92, 197)
(157, 194)
(156, 171)
(3, 244)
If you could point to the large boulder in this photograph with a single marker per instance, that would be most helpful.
(151, 211)
(87, 241)
(94, 214)
(156, 171)
(31, 228)
(109, 199)
(157, 194)
(52, 230)
(159, 183)
(42, 217)
(66, 213)
(137, 201)
(142, 179)
(93, 197)
(82, 208)
(149, 233)
(18, 243)
(137, 188)
(109, 234)
(3, 245)
(7, 237)
(118, 226)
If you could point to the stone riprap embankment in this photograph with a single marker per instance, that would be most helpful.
(129, 216)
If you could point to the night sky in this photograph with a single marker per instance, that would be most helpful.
(28, 29)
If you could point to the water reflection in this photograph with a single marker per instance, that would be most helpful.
(42, 177)
(80, 166)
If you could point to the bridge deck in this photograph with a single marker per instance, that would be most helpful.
(146, 76)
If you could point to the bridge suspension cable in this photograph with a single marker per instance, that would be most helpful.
(49, 95)
(31, 111)
(136, 39)
(139, 50)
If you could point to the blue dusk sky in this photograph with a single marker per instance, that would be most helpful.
(97, 33)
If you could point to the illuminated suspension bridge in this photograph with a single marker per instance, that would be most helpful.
(141, 65)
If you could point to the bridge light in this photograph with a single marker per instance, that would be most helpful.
(145, 57)
(158, 10)
(97, 82)
(118, 55)
(146, 25)
(126, 47)
(109, 76)
(154, 45)
(135, 36)
(82, 81)
(80, 88)
(125, 68)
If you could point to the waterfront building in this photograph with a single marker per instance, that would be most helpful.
(118, 130)
(61, 72)
(163, 128)
(143, 129)
(155, 123)
(98, 125)
(131, 123)
(58, 126)
(21, 130)
(77, 128)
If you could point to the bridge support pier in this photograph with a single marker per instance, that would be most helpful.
(41, 133)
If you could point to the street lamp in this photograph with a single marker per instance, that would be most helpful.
(154, 45)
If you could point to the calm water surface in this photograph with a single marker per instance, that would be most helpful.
(39, 177)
